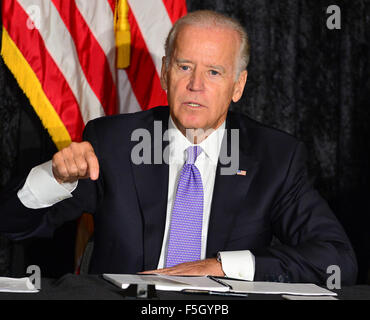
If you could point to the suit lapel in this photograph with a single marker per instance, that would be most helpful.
(151, 182)
(230, 190)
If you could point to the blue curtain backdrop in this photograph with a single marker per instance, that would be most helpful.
(304, 79)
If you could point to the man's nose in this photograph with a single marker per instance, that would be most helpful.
(196, 81)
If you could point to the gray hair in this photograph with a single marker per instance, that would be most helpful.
(207, 18)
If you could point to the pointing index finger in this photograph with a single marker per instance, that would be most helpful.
(93, 164)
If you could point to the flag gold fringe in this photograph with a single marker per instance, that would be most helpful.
(31, 86)
(122, 34)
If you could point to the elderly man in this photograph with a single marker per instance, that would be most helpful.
(186, 215)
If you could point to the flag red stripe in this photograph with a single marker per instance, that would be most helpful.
(92, 58)
(142, 74)
(175, 9)
(112, 4)
(55, 86)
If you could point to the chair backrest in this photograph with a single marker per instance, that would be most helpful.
(86, 257)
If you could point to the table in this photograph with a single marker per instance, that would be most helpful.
(169, 305)
(94, 287)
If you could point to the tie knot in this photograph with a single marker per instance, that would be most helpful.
(192, 154)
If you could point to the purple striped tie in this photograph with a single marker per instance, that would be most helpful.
(187, 214)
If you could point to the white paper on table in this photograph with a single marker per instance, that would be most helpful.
(17, 285)
(289, 297)
(166, 282)
(306, 289)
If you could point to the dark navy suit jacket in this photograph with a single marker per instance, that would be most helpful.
(274, 200)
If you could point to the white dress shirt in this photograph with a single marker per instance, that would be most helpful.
(42, 190)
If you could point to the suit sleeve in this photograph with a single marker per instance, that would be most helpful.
(310, 237)
(18, 222)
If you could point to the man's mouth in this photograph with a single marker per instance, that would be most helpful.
(193, 104)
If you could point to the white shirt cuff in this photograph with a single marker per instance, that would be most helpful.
(41, 190)
(238, 264)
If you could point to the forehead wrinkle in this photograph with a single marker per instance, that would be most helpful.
(179, 60)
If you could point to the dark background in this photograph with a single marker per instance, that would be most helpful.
(303, 79)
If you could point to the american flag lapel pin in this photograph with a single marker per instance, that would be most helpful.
(241, 172)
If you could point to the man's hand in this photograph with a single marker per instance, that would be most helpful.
(77, 161)
(196, 268)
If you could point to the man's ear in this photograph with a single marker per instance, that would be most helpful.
(239, 85)
(164, 74)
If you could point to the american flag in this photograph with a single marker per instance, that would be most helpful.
(63, 55)
(150, 21)
(241, 172)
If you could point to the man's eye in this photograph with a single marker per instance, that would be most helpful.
(214, 72)
(184, 68)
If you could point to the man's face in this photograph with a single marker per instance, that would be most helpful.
(200, 79)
